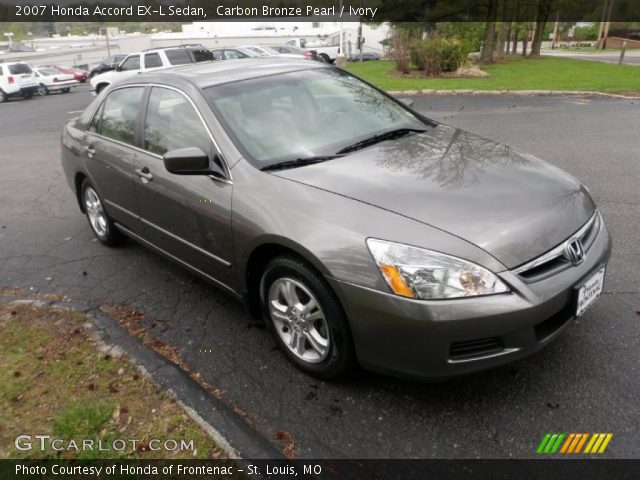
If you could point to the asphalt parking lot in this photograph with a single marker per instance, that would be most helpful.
(587, 381)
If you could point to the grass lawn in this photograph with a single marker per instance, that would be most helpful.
(546, 73)
(53, 381)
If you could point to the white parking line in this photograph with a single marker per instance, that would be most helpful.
(75, 111)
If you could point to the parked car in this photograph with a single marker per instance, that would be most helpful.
(312, 54)
(107, 65)
(16, 80)
(270, 52)
(149, 60)
(233, 53)
(78, 74)
(52, 79)
(326, 53)
(365, 57)
(355, 226)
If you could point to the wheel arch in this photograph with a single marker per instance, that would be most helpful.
(78, 178)
(261, 253)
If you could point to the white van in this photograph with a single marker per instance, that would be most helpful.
(17, 80)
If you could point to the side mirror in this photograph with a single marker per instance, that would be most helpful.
(407, 101)
(118, 68)
(192, 161)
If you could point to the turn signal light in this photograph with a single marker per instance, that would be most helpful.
(395, 281)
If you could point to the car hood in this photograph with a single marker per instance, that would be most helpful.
(511, 204)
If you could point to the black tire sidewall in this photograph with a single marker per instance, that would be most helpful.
(340, 358)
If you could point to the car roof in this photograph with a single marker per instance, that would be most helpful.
(216, 72)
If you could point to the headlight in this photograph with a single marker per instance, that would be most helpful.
(419, 273)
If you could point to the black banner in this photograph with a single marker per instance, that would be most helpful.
(319, 10)
(564, 468)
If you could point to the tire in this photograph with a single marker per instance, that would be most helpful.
(3, 97)
(101, 225)
(324, 58)
(42, 90)
(28, 96)
(66, 90)
(305, 318)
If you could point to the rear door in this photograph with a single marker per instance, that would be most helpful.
(109, 153)
(188, 217)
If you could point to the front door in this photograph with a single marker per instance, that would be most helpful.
(188, 217)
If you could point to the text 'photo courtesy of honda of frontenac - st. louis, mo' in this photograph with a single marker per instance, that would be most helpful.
(360, 230)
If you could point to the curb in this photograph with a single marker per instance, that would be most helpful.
(523, 93)
(231, 432)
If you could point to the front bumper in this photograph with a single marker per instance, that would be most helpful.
(447, 338)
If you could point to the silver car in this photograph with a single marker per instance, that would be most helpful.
(360, 230)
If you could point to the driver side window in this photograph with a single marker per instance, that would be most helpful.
(131, 63)
(173, 123)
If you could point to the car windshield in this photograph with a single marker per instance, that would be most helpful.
(304, 114)
(19, 68)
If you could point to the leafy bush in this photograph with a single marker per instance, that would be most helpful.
(400, 42)
(437, 55)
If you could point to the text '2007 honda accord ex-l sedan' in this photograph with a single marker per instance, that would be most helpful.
(359, 229)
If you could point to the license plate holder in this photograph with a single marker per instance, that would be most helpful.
(589, 291)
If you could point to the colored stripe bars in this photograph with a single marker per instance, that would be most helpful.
(574, 443)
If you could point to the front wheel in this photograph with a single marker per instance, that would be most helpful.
(101, 225)
(3, 97)
(42, 90)
(324, 58)
(305, 318)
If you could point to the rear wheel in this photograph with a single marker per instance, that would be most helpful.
(101, 225)
(66, 90)
(305, 318)
(42, 90)
(324, 58)
(3, 97)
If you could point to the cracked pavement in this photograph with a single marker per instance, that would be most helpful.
(587, 381)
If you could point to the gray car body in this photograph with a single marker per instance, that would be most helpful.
(446, 190)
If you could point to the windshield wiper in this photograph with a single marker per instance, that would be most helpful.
(299, 162)
(380, 137)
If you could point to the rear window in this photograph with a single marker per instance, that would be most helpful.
(19, 68)
(179, 56)
(202, 55)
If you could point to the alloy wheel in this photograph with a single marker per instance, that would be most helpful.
(299, 320)
(95, 212)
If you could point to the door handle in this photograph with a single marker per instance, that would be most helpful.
(144, 174)
(91, 150)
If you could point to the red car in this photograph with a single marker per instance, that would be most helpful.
(78, 74)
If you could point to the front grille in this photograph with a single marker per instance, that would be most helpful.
(475, 348)
(554, 260)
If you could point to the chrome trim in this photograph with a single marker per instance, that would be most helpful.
(559, 250)
(122, 209)
(506, 351)
(188, 244)
(131, 85)
(176, 259)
